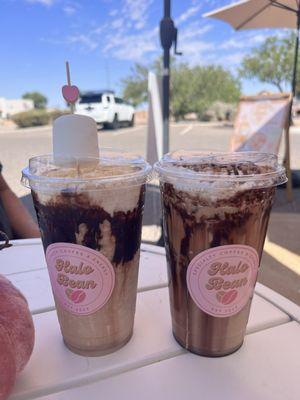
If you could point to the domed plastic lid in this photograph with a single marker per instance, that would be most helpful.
(221, 169)
(111, 169)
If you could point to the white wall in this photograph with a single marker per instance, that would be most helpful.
(10, 107)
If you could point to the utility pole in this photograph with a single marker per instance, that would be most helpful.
(168, 37)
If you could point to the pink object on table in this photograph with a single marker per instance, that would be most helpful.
(16, 335)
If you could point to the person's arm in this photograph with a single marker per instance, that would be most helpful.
(19, 218)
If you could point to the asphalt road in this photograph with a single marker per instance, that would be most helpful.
(17, 146)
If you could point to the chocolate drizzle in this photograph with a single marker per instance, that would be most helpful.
(236, 168)
(192, 224)
(60, 219)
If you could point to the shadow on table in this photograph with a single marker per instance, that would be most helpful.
(279, 278)
(284, 231)
(284, 225)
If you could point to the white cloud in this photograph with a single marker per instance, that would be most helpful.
(132, 47)
(127, 35)
(135, 50)
(258, 38)
(137, 11)
(192, 43)
(190, 12)
(113, 12)
(69, 9)
(44, 2)
(232, 44)
(232, 60)
(194, 30)
(117, 23)
(85, 41)
(134, 43)
(130, 40)
(196, 51)
(244, 40)
(99, 30)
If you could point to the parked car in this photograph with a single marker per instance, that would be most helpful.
(105, 108)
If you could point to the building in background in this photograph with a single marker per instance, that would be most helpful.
(9, 107)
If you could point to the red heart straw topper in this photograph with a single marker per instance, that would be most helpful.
(70, 92)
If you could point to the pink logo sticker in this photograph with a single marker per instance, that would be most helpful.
(82, 279)
(221, 280)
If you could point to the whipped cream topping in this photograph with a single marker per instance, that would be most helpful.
(96, 172)
(45, 173)
(113, 183)
(225, 173)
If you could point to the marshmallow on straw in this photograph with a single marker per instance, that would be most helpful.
(74, 136)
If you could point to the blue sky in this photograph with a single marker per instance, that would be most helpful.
(102, 39)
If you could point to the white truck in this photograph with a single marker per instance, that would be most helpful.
(105, 108)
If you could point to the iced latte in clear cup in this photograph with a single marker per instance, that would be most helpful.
(216, 209)
(90, 217)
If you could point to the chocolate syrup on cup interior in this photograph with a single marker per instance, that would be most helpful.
(216, 209)
(90, 217)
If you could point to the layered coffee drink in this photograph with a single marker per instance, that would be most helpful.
(90, 217)
(216, 210)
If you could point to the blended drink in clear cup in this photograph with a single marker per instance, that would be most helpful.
(90, 217)
(216, 209)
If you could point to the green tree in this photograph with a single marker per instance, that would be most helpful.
(182, 91)
(272, 62)
(135, 86)
(39, 100)
(193, 89)
(196, 89)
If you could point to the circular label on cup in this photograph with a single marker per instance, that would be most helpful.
(82, 279)
(221, 280)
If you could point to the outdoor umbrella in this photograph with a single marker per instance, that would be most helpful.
(258, 14)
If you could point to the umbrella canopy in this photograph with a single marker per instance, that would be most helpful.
(256, 14)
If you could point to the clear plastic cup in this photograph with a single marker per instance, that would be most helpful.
(216, 209)
(90, 217)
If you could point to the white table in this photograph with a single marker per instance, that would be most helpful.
(152, 365)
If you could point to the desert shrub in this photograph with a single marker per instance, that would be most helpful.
(223, 111)
(31, 118)
(57, 113)
(37, 117)
(218, 111)
(207, 116)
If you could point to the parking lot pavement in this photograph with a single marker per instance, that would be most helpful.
(17, 146)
